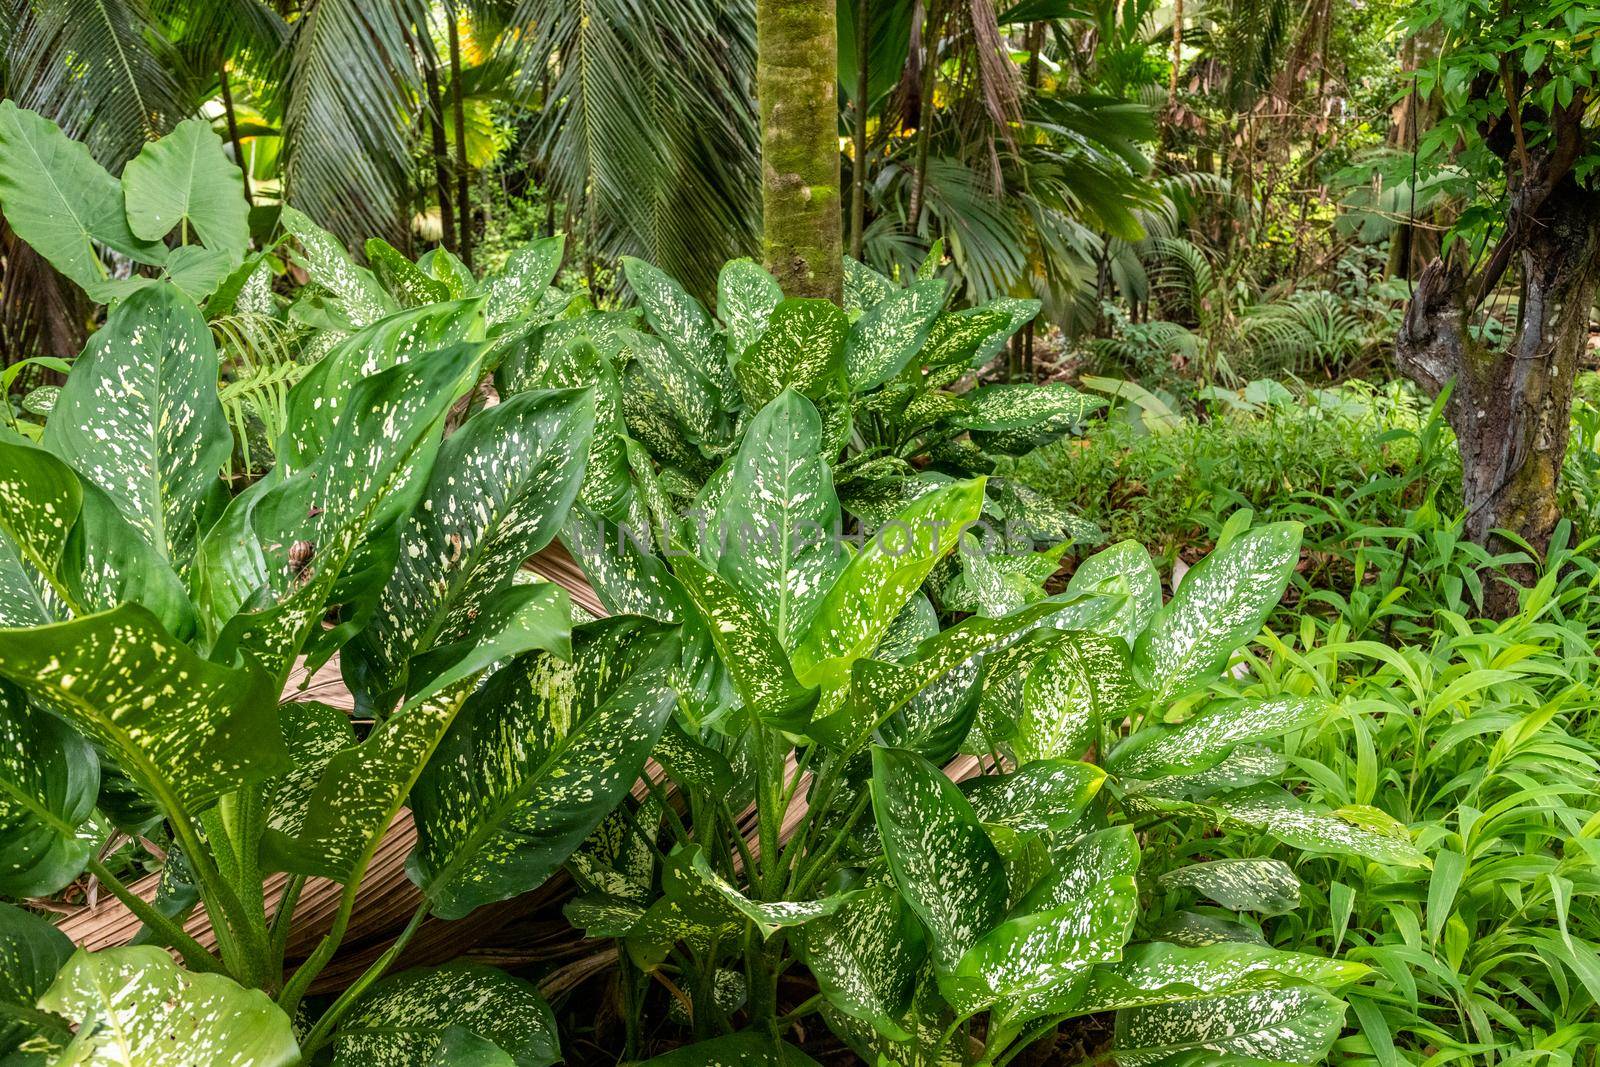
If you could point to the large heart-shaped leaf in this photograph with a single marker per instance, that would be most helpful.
(362, 788)
(778, 517)
(943, 863)
(63, 203)
(513, 789)
(1221, 604)
(1297, 1024)
(140, 418)
(185, 179)
(801, 348)
(188, 730)
(499, 491)
(853, 615)
(32, 951)
(461, 1013)
(49, 778)
(135, 1006)
(883, 340)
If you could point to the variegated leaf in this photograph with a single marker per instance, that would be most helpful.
(1202, 741)
(499, 491)
(1267, 886)
(24, 600)
(362, 788)
(361, 299)
(746, 295)
(864, 288)
(1221, 604)
(877, 582)
(680, 321)
(456, 1014)
(778, 516)
(1014, 419)
(515, 291)
(32, 951)
(1039, 796)
(1123, 570)
(620, 562)
(140, 418)
(49, 778)
(1077, 684)
(768, 916)
(1018, 312)
(40, 498)
(408, 283)
(686, 392)
(188, 730)
(1160, 973)
(512, 791)
(1296, 1024)
(883, 340)
(946, 868)
(801, 348)
(1279, 813)
(446, 266)
(1245, 766)
(135, 1006)
(957, 337)
(315, 733)
(865, 957)
(749, 1049)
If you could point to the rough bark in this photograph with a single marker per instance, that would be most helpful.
(796, 79)
(1510, 408)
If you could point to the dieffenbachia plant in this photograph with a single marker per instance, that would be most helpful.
(149, 621)
(955, 922)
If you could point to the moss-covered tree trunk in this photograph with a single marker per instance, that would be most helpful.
(797, 65)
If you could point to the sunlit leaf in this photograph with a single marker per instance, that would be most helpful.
(884, 339)
(1156, 973)
(1203, 740)
(1044, 795)
(1122, 570)
(1291, 1025)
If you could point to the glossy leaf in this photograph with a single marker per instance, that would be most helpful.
(1267, 886)
(680, 321)
(139, 417)
(407, 283)
(946, 868)
(49, 778)
(32, 951)
(437, 1015)
(135, 1006)
(1221, 605)
(361, 299)
(768, 916)
(1291, 1025)
(1122, 570)
(1280, 814)
(314, 733)
(865, 957)
(40, 499)
(186, 179)
(1078, 683)
(1157, 973)
(801, 348)
(1205, 739)
(515, 291)
(883, 340)
(1040, 796)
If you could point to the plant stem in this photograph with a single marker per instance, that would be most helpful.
(306, 973)
(801, 883)
(282, 922)
(319, 1033)
(194, 954)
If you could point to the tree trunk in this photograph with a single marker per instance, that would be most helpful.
(441, 150)
(233, 129)
(930, 82)
(1511, 409)
(797, 76)
(858, 166)
(459, 116)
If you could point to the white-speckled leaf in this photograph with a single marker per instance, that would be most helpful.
(768, 916)
(24, 600)
(946, 868)
(49, 778)
(865, 957)
(1263, 885)
(777, 517)
(360, 298)
(957, 336)
(515, 291)
(1295, 1024)
(746, 295)
(680, 321)
(139, 417)
(40, 499)
(32, 950)
(499, 491)
(1157, 973)
(686, 393)
(853, 615)
(1202, 741)
(620, 562)
(864, 288)
(1122, 570)
(1078, 683)
(748, 1049)
(362, 788)
(1280, 814)
(883, 340)
(511, 792)
(1244, 766)
(802, 347)
(418, 1017)
(1044, 411)
(408, 283)
(187, 178)
(1040, 796)
(188, 730)
(315, 733)
(1220, 606)
(136, 1008)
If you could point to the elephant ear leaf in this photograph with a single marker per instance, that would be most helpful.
(185, 178)
(187, 729)
(1295, 1024)
(439, 1015)
(63, 203)
(945, 866)
(499, 491)
(134, 1005)
(33, 951)
(1221, 604)
(49, 778)
(139, 417)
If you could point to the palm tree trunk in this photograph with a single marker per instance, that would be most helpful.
(441, 151)
(858, 171)
(463, 199)
(797, 74)
(930, 81)
(233, 128)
